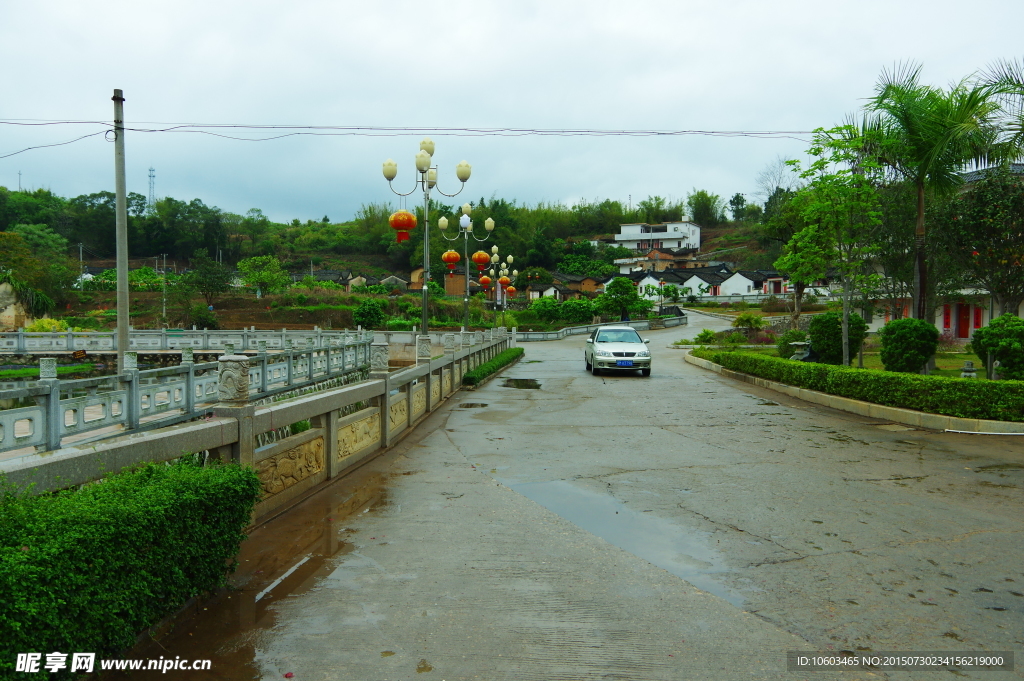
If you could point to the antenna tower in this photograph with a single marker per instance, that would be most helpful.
(152, 189)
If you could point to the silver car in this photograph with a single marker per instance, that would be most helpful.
(617, 348)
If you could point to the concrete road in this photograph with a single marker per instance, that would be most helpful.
(682, 526)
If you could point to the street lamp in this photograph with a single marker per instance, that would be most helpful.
(480, 258)
(426, 181)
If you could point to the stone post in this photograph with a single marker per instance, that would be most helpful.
(466, 339)
(512, 337)
(449, 343)
(380, 356)
(229, 348)
(131, 377)
(190, 379)
(233, 393)
(422, 349)
(48, 377)
(233, 379)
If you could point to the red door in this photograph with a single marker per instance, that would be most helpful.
(963, 320)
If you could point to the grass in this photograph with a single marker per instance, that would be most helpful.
(33, 372)
(947, 364)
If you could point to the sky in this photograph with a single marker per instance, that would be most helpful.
(724, 65)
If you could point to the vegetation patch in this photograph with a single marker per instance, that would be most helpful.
(33, 372)
(960, 397)
(88, 569)
(476, 376)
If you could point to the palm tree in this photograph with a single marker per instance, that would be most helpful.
(934, 134)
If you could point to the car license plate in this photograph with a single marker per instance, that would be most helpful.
(623, 362)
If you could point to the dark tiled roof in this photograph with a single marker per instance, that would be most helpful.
(975, 175)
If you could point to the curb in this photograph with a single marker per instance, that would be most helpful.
(909, 417)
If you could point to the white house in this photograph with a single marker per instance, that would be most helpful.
(740, 284)
(644, 237)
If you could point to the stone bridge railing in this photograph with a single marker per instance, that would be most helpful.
(349, 424)
(108, 405)
(640, 325)
(148, 340)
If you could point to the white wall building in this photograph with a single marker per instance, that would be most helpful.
(644, 237)
(739, 285)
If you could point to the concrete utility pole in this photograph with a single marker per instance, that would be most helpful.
(81, 269)
(165, 289)
(121, 224)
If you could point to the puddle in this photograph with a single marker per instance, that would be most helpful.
(656, 540)
(521, 383)
(472, 405)
(284, 557)
(894, 427)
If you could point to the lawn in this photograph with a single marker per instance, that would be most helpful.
(946, 363)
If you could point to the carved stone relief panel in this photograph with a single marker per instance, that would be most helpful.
(435, 391)
(398, 415)
(278, 473)
(233, 378)
(447, 382)
(419, 401)
(357, 436)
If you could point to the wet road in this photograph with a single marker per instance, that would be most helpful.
(681, 526)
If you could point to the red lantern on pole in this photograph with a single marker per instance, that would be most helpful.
(485, 281)
(481, 259)
(504, 281)
(402, 221)
(450, 258)
(510, 291)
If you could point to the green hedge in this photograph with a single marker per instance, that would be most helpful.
(964, 398)
(87, 570)
(484, 370)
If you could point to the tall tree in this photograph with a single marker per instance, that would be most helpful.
(738, 205)
(936, 134)
(706, 209)
(806, 259)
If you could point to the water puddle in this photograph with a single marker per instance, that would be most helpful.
(656, 540)
(285, 557)
(521, 383)
(472, 405)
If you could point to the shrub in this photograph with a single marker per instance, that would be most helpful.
(740, 305)
(88, 569)
(369, 314)
(907, 344)
(1004, 338)
(735, 337)
(502, 360)
(764, 338)
(398, 324)
(545, 308)
(749, 321)
(826, 333)
(705, 337)
(773, 304)
(47, 324)
(203, 318)
(948, 341)
(783, 346)
(960, 397)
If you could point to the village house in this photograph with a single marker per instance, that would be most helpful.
(643, 237)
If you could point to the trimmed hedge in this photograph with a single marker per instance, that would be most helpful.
(87, 570)
(964, 398)
(502, 360)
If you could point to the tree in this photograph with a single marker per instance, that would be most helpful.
(546, 308)
(832, 337)
(842, 202)
(264, 272)
(935, 133)
(207, 276)
(621, 298)
(255, 224)
(370, 314)
(738, 206)
(806, 258)
(982, 229)
(706, 209)
(577, 311)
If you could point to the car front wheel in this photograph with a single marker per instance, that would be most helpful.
(645, 372)
(594, 370)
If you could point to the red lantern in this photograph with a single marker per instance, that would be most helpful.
(504, 281)
(485, 281)
(510, 291)
(450, 257)
(402, 221)
(481, 259)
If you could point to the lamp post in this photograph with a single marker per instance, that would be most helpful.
(480, 258)
(500, 269)
(426, 181)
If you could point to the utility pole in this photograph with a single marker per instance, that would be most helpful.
(165, 288)
(121, 225)
(19, 180)
(81, 269)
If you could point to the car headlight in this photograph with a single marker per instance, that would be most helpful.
(643, 353)
(603, 353)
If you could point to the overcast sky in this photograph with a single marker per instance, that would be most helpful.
(710, 65)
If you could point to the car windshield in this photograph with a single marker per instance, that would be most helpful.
(623, 336)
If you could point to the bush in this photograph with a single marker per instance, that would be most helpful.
(908, 344)
(960, 397)
(749, 321)
(783, 346)
(740, 305)
(47, 324)
(773, 304)
(826, 333)
(705, 337)
(577, 311)
(545, 308)
(1004, 338)
(736, 337)
(398, 324)
(369, 314)
(503, 359)
(88, 569)
(203, 318)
